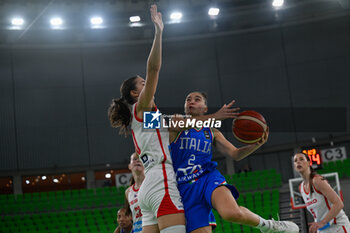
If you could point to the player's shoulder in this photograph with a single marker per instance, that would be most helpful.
(216, 132)
(319, 182)
(318, 179)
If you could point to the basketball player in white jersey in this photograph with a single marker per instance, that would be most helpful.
(321, 200)
(131, 193)
(159, 198)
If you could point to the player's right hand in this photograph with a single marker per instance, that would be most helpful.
(227, 111)
(156, 18)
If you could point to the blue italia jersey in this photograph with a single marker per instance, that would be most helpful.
(191, 153)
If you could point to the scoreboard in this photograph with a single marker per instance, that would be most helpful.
(315, 158)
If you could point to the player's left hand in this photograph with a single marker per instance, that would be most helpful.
(313, 226)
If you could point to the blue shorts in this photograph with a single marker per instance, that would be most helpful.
(196, 197)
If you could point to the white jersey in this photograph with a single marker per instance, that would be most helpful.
(135, 209)
(152, 145)
(158, 195)
(318, 205)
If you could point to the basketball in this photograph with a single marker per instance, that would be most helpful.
(249, 127)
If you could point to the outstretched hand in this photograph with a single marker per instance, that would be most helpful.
(156, 18)
(227, 112)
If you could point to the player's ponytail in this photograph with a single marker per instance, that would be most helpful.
(132, 181)
(119, 112)
(312, 175)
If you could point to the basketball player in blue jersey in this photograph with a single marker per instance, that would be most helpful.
(124, 220)
(201, 186)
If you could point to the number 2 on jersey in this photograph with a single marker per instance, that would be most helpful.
(191, 159)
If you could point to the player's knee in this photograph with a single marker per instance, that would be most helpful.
(235, 215)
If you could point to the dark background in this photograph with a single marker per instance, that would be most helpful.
(54, 98)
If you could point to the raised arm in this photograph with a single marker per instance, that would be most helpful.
(154, 63)
(225, 147)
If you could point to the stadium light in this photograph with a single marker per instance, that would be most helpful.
(108, 175)
(43, 177)
(277, 3)
(213, 11)
(134, 19)
(17, 21)
(176, 16)
(55, 180)
(27, 182)
(56, 21)
(96, 20)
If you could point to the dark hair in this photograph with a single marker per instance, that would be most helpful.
(119, 113)
(132, 181)
(126, 209)
(313, 173)
(203, 94)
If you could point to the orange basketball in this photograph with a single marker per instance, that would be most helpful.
(249, 127)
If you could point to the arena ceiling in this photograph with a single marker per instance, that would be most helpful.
(235, 16)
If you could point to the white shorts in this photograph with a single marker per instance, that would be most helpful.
(158, 194)
(342, 226)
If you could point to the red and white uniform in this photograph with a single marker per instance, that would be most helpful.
(158, 194)
(318, 205)
(135, 209)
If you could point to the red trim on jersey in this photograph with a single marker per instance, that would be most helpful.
(161, 145)
(329, 208)
(133, 188)
(344, 229)
(307, 193)
(178, 137)
(138, 150)
(135, 114)
(166, 206)
(317, 190)
(300, 187)
(199, 129)
(341, 195)
(212, 135)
